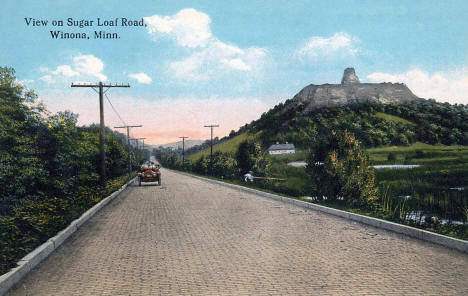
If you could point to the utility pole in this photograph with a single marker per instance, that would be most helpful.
(142, 149)
(128, 143)
(137, 148)
(136, 142)
(102, 137)
(183, 149)
(143, 140)
(211, 146)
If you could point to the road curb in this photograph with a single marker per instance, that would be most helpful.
(33, 258)
(425, 235)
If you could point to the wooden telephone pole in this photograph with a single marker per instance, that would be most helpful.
(99, 88)
(128, 143)
(143, 147)
(211, 146)
(143, 141)
(183, 149)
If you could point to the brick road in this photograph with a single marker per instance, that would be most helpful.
(190, 237)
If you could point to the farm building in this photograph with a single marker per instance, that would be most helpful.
(281, 149)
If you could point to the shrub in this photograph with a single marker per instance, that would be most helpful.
(250, 157)
(391, 157)
(338, 167)
(419, 154)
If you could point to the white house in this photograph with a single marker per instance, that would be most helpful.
(281, 149)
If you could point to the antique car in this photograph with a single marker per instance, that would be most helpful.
(149, 172)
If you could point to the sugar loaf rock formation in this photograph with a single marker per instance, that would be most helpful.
(351, 91)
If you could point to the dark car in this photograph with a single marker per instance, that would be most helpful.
(149, 172)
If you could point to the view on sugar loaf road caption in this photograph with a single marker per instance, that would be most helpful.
(78, 26)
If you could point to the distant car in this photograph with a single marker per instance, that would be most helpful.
(149, 172)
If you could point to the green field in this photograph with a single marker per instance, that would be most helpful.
(419, 153)
(230, 145)
(432, 186)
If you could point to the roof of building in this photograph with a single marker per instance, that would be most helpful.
(281, 147)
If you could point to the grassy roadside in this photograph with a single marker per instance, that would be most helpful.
(35, 222)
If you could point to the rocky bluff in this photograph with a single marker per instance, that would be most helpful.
(351, 91)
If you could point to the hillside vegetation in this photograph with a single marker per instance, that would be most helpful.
(389, 117)
(229, 145)
(374, 124)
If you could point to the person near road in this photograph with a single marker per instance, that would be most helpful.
(249, 177)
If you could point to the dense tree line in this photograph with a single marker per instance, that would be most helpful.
(49, 169)
(226, 165)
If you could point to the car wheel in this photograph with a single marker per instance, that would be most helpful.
(139, 181)
(159, 180)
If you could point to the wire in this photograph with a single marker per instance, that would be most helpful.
(113, 108)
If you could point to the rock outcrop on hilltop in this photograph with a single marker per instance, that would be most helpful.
(349, 77)
(351, 91)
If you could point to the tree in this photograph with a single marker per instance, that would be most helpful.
(338, 167)
(224, 165)
(250, 157)
(22, 146)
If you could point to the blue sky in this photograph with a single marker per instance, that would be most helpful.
(199, 62)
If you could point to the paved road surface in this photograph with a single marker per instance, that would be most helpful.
(190, 237)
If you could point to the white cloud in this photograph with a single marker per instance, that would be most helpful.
(83, 66)
(339, 45)
(47, 79)
(236, 64)
(218, 59)
(89, 65)
(141, 78)
(188, 27)
(210, 58)
(65, 70)
(449, 86)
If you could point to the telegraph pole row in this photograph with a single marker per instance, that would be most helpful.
(183, 149)
(102, 139)
(128, 143)
(211, 146)
(142, 149)
(143, 141)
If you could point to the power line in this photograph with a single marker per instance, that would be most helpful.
(113, 108)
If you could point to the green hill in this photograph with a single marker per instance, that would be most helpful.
(229, 145)
(373, 123)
